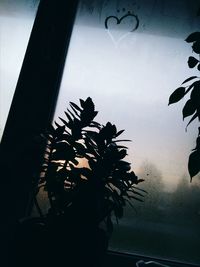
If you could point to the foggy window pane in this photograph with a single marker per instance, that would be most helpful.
(129, 72)
(16, 21)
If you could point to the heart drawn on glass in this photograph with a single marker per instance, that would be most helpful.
(120, 28)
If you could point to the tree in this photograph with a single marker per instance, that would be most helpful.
(185, 202)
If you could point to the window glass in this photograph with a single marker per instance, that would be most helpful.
(129, 64)
(16, 21)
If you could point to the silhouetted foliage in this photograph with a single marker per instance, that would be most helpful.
(87, 180)
(192, 106)
(102, 187)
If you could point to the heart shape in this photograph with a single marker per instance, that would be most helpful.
(116, 29)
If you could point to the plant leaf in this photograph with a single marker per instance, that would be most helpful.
(191, 86)
(192, 62)
(189, 79)
(197, 144)
(193, 118)
(196, 47)
(75, 106)
(118, 133)
(195, 94)
(177, 95)
(188, 109)
(64, 121)
(194, 163)
(193, 37)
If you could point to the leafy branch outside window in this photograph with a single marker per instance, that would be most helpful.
(192, 106)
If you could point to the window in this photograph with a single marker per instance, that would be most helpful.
(16, 21)
(129, 56)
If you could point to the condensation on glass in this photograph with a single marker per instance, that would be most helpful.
(129, 56)
(16, 22)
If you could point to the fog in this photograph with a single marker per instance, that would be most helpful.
(130, 75)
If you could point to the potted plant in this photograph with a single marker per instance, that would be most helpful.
(87, 181)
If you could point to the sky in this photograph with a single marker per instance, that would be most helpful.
(130, 75)
(16, 21)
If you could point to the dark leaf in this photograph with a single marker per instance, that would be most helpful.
(196, 47)
(195, 36)
(122, 154)
(188, 109)
(193, 118)
(123, 165)
(89, 103)
(80, 148)
(191, 86)
(64, 121)
(197, 144)
(68, 138)
(73, 116)
(108, 131)
(198, 67)
(77, 114)
(122, 147)
(75, 106)
(123, 140)
(60, 130)
(95, 124)
(194, 163)
(51, 130)
(86, 172)
(140, 181)
(75, 161)
(68, 116)
(189, 79)
(192, 62)
(58, 125)
(82, 102)
(195, 94)
(63, 152)
(177, 95)
(118, 133)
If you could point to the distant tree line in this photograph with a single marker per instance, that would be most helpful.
(181, 206)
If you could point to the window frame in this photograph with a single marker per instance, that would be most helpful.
(31, 110)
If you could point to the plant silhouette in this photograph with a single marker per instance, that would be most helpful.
(192, 106)
(83, 198)
(105, 185)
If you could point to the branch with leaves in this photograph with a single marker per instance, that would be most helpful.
(191, 87)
